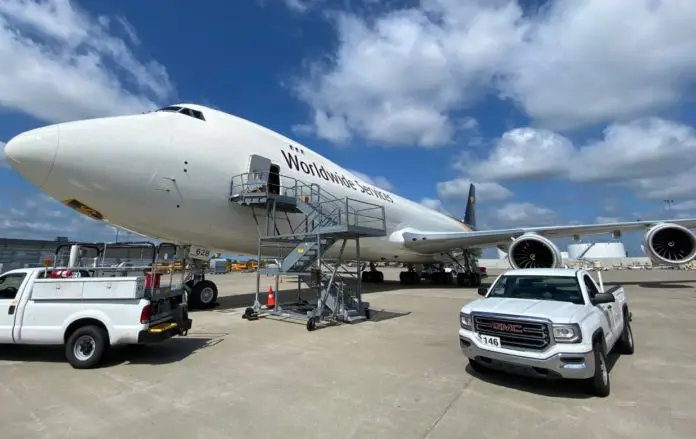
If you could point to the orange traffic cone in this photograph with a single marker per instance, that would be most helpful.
(270, 301)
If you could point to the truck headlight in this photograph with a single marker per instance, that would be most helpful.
(465, 320)
(567, 333)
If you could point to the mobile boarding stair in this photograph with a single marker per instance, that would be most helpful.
(297, 224)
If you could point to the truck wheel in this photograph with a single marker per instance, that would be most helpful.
(204, 295)
(478, 367)
(599, 384)
(85, 347)
(625, 345)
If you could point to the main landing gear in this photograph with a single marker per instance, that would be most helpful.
(465, 273)
(373, 275)
(202, 293)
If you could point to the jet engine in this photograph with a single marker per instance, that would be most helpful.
(534, 251)
(670, 244)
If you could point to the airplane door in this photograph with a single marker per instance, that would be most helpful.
(259, 169)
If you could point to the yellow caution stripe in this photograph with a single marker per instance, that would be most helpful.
(163, 327)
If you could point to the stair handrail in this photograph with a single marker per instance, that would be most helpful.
(326, 203)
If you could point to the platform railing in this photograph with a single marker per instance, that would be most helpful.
(345, 211)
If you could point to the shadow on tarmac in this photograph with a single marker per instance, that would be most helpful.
(554, 388)
(166, 352)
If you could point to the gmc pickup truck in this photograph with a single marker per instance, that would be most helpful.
(549, 323)
(87, 314)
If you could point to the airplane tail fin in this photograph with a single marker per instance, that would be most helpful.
(470, 213)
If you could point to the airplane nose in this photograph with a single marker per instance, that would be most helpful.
(32, 153)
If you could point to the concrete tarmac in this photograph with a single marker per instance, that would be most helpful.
(400, 375)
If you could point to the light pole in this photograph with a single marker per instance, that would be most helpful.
(668, 205)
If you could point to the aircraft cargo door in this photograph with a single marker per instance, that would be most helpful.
(259, 169)
(264, 176)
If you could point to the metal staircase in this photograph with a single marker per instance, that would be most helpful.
(297, 224)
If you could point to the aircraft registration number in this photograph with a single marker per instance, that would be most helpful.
(199, 253)
(489, 341)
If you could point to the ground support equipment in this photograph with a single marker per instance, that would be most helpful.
(298, 223)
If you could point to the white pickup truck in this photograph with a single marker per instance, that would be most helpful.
(550, 323)
(40, 306)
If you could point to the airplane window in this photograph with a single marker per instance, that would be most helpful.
(183, 110)
(172, 109)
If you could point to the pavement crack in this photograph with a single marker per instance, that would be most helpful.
(447, 409)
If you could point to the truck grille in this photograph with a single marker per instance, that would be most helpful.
(514, 334)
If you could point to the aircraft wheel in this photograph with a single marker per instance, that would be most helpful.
(204, 295)
(373, 276)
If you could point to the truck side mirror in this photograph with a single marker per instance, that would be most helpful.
(603, 298)
(482, 291)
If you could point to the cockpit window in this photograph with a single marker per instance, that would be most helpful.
(183, 110)
(172, 109)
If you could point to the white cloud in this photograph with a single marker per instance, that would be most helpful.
(299, 5)
(54, 64)
(654, 157)
(459, 189)
(640, 149)
(379, 181)
(404, 76)
(523, 153)
(525, 214)
(595, 60)
(684, 206)
(434, 204)
(394, 80)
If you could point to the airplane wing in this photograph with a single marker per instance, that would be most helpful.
(434, 242)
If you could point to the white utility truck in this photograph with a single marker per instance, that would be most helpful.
(549, 323)
(88, 309)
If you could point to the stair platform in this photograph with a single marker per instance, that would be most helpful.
(303, 221)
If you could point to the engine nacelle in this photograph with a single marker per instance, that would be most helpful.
(670, 244)
(534, 251)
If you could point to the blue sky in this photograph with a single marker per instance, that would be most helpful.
(561, 111)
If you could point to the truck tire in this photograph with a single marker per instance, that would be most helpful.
(599, 384)
(85, 347)
(625, 345)
(478, 367)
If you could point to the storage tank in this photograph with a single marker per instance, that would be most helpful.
(598, 250)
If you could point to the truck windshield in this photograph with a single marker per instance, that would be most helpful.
(557, 288)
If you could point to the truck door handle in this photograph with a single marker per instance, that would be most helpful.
(11, 310)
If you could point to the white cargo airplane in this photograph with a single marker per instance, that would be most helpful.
(168, 174)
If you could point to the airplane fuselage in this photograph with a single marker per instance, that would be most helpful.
(168, 175)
